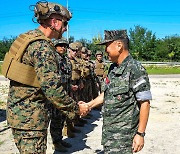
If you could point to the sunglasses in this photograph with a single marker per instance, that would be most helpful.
(65, 23)
(74, 50)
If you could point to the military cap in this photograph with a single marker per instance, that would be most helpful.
(44, 9)
(75, 45)
(99, 53)
(84, 49)
(60, 41)
(113, 35)
(89, 52)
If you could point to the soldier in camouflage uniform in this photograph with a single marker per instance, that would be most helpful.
(94, 78)
(77, 84)
(87, 90)
(100, 69)
(77, 76)
(28, 105)
(90, 87)
(126, 98)
(57, 118)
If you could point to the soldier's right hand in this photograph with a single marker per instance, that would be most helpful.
(84, 108)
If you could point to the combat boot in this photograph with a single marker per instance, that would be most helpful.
(59, 147)
(65, 144)
(83, 121)
(72, 128)
(67, 132)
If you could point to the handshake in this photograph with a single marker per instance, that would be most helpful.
(84, 108)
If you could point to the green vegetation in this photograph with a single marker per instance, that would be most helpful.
(1, 103)
(163, 69)
(143, 43)
(152, 69)
(1, 142)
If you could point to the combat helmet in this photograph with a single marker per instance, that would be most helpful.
(60, 41)
(89, 52)
(44, 9)
(99, 53)
(84, 49)
(75, 45)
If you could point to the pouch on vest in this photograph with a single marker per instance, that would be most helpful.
(13, 68)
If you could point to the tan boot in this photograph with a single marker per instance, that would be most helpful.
(67, 132)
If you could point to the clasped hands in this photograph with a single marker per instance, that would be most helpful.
(84, 108)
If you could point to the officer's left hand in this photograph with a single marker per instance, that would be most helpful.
(138, 143)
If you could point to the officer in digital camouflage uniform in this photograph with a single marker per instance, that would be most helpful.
(57, 118)
(28, 104)
(126, 98)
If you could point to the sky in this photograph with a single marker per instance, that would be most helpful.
(92, 17)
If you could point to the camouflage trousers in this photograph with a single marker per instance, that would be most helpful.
(117, 150)
(86, 92)
(101, 83)
(30, 141)
(56, 125)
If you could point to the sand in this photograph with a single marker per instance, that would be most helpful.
(162, 133)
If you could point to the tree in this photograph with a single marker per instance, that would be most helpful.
(93, 45)
(71, 39)
(142, 43)
(4, 46)
(168, 49)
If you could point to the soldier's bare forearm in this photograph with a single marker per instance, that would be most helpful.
(97, 101)
(144, 114)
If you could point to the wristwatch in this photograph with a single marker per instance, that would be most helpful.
(141, 134)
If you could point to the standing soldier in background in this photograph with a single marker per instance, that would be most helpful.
(100, 70)
(57, 118)
(86, 76)
(32, 67)
(90, 86)
(77, 84)
(94, 78)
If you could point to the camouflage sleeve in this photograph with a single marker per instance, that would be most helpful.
(139, 82)
(46, 67)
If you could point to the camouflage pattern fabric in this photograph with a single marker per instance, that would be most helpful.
(30, 141)
(56, 125)
(76, 69)
(126, 84)
(100, 73)
(57, 118)
(87, 90)
(27, 107)
(93, 81)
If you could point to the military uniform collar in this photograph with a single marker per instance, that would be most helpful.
(122, 66)
(39, 32)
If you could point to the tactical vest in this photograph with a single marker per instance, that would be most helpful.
(99, 68)
(76, 73)
(13, 68)
(65, 71)
(85, 69)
